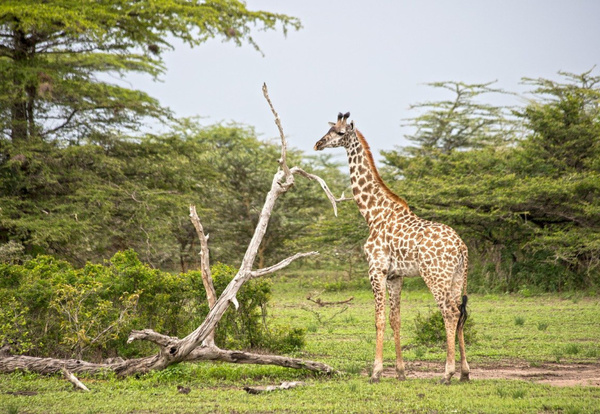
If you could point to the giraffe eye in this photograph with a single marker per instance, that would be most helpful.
(340, 132)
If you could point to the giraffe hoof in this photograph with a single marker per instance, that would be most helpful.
(465, 377)
(401, 376)
(374, 379)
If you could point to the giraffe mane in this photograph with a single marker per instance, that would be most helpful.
(386, 190)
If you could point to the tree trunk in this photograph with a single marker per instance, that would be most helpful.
(22, 122)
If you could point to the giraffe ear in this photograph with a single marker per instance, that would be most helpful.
(351, 125)
(331, 123)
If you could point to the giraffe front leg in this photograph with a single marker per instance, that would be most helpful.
(377, 278)
(394, 286)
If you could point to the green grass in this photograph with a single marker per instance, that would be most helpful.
(553, 328)
(508, 326)
(351, 394)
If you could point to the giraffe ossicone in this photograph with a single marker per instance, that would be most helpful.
(401, 244)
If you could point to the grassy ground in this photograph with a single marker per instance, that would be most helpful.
(548, 328)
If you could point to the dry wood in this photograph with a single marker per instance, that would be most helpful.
(207, 281)
(74, 380)
(328, 193)
(283, 160)
(319, 302)
(269, 388)
(53, 365)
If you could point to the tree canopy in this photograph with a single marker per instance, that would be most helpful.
(79, 179)
(55, 57)
(529, 210)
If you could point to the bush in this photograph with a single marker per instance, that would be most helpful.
(430, 329)
(51, 308)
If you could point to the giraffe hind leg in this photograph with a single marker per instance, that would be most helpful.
(451, 315)
(447, 303)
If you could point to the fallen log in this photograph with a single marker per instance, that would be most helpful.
(15, 363)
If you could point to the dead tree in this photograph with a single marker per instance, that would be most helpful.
(199, 345)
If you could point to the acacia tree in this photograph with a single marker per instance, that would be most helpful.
(529, 211)
(561, 162)
(52, 54)
(461, 122)
(57, 61)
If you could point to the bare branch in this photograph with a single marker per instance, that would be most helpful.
(328, 193)
(283, 159)
(152, 336)
(321, 303)
(207, 280)
(240, 357)
(284, 263)
(204, 258)
(64, 124)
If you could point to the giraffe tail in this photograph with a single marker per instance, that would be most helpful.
(463, 312)
(463, 306)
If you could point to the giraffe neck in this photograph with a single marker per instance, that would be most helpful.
(371, 194)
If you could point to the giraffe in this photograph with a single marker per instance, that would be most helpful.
(399, 245)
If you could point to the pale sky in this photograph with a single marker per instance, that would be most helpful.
(372, 58)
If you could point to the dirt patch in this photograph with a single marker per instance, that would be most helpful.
(560, 375)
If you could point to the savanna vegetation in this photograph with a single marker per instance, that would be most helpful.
(95, 238)
(509, 331)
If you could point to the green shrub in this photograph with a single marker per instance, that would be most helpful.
(55, 309)
(430, 329)
(542, 326)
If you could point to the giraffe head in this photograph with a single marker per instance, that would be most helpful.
(338, 134)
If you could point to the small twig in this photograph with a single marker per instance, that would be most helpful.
(269, 388)
(318, 315)
(319, 302)
(73, 380)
